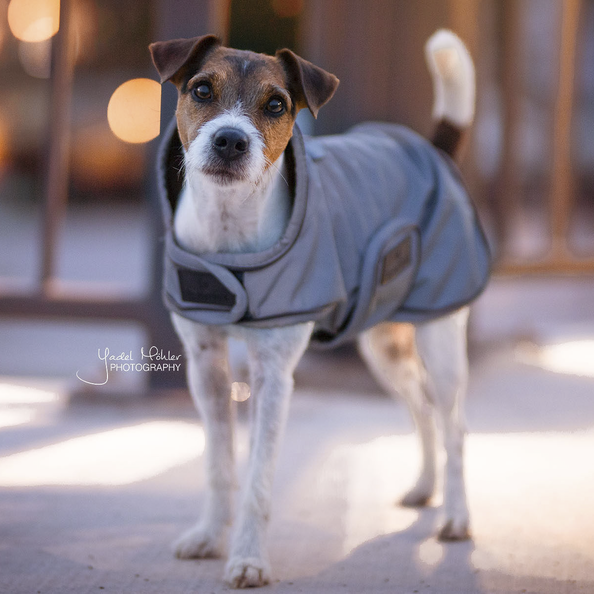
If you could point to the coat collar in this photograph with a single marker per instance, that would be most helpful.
(171, 182)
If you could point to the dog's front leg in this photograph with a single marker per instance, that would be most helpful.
(273, 355)
(210, 385)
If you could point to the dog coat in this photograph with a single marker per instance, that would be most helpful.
(381, 229)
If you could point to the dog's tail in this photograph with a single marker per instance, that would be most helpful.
(454, 86)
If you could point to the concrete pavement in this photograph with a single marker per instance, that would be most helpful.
(93, 492)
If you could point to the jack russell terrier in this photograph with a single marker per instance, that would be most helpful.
(278, 240)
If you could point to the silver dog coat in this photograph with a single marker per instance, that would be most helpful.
(381, 229)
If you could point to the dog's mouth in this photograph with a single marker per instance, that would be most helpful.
(225, 172)
(226, 155)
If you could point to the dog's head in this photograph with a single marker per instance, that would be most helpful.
(236, 109)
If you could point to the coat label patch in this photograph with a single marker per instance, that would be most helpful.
(396, 260)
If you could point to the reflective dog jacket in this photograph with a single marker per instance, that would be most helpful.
(381, 229)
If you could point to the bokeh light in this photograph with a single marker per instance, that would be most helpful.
(34, 20)
(134, 110)
(240, 391)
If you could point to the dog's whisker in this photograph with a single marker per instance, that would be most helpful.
(271, 164)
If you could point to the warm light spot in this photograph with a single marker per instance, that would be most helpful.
(363, 479)
(35, 57)
(240, 391)
(572, 357)
(575, 357)
(20, 404)
(116, 457)
(287, 8)
(12, 417)
(134, 110)
(535, 490)
(34, 20)
(14, 394)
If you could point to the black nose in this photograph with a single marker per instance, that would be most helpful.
(230, 143)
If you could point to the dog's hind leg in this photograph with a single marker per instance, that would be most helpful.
(389, 351)
(441, 346)
(273, 356)
(210, 385)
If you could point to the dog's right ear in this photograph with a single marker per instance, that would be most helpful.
(171, 57)
(311, 85)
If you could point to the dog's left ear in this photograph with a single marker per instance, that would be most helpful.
(312, 86)
(170, 57)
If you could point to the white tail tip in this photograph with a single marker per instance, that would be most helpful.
(452, 71)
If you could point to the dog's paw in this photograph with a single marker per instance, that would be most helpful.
(247, 572)
(418, 496)
(198, 543)
(454, 529)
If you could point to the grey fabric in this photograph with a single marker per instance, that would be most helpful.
(381, 229)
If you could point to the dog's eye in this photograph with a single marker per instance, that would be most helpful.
(275, 106)
(202, 92)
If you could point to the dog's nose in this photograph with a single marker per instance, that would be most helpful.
(230, 143)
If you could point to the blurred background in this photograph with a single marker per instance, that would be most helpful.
(83, 468)
(80, 113)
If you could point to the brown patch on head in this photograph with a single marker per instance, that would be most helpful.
(238, 78)
(241, 78)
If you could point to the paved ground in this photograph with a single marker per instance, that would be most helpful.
(93, 492)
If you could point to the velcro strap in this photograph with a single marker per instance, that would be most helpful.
(204, 287)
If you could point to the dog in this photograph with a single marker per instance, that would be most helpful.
(235, 141)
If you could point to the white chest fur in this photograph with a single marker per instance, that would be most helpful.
(243, 217)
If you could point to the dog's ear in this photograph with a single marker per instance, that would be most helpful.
(312, 86)
(170, 57)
